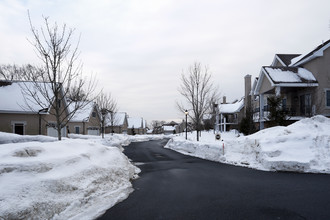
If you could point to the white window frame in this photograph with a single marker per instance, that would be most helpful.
(13, 123)
(75, 127)
(325, 97)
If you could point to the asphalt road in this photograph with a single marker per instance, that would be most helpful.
(175, 186)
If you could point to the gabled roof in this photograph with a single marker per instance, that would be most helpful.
(284, 59)
(317, 52)
(255, 82)
(231, 108)
(119, 119)
(13, 100)
(289, 75)
(82, 114)
(286, 77)
(135, 122)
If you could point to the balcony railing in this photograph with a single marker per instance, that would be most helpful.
(303, 111)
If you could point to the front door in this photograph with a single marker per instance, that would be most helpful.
(306, 105)
(19, 128)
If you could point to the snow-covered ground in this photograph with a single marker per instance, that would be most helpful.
(302, 147)
(77, 178)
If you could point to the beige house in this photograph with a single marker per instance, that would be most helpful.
(171, 128)
(86, 120)
(303, 81)
(20, 114)
(231, 114)
(116, 123)
(136, 125)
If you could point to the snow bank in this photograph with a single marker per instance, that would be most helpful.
(301, 147)
(68, 179)
(6, 138)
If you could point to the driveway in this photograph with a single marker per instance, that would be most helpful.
(175, 186)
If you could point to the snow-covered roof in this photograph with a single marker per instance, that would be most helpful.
(83, 114)
(317, 52)
(286, 77)
(230, 108)
(135, 122)
(13, 100)
(207, 116)
(119, 119)
(168, 128)
(289, 75)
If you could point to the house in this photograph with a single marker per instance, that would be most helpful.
(86, 120)
(170, 128)
(231, 114)
(302, 81)
(21, 114)
(116, 123)
(136, 125)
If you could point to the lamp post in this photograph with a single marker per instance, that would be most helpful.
(186, 113)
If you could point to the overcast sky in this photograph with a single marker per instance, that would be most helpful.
(138, 49)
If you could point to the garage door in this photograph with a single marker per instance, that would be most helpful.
(51, 131)
(93, 131)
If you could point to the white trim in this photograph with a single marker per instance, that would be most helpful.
(280, 61)
(318, 53)
(297, 84)
(260, 79)
(13, 123)
(18, 122)
(75, 127)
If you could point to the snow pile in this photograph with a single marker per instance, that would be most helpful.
(301, 147)
(147, 137)
(6, 138)
(68, 179)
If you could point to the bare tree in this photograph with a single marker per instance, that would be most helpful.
(108, 106)
(198, 91)
(58, 74)
(15, 72)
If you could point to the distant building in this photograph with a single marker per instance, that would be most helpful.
(116, 123)
(231, 114)
(136, 125)
(170, 128)
(86, 120)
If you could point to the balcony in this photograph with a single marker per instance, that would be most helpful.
(291, 111)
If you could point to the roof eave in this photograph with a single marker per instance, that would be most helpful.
(297, 84)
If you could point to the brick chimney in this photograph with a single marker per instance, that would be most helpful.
(224, 100)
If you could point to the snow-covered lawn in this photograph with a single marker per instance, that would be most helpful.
(303, 147)
(76, 178)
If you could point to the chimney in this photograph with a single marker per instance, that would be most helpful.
(247, 96)
(224, 100)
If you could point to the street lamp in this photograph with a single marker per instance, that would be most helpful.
(186, 113)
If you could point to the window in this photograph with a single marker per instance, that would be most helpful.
(19, 128)
(93, 114)
(327, 98)
(77, 129)
(284, 104)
